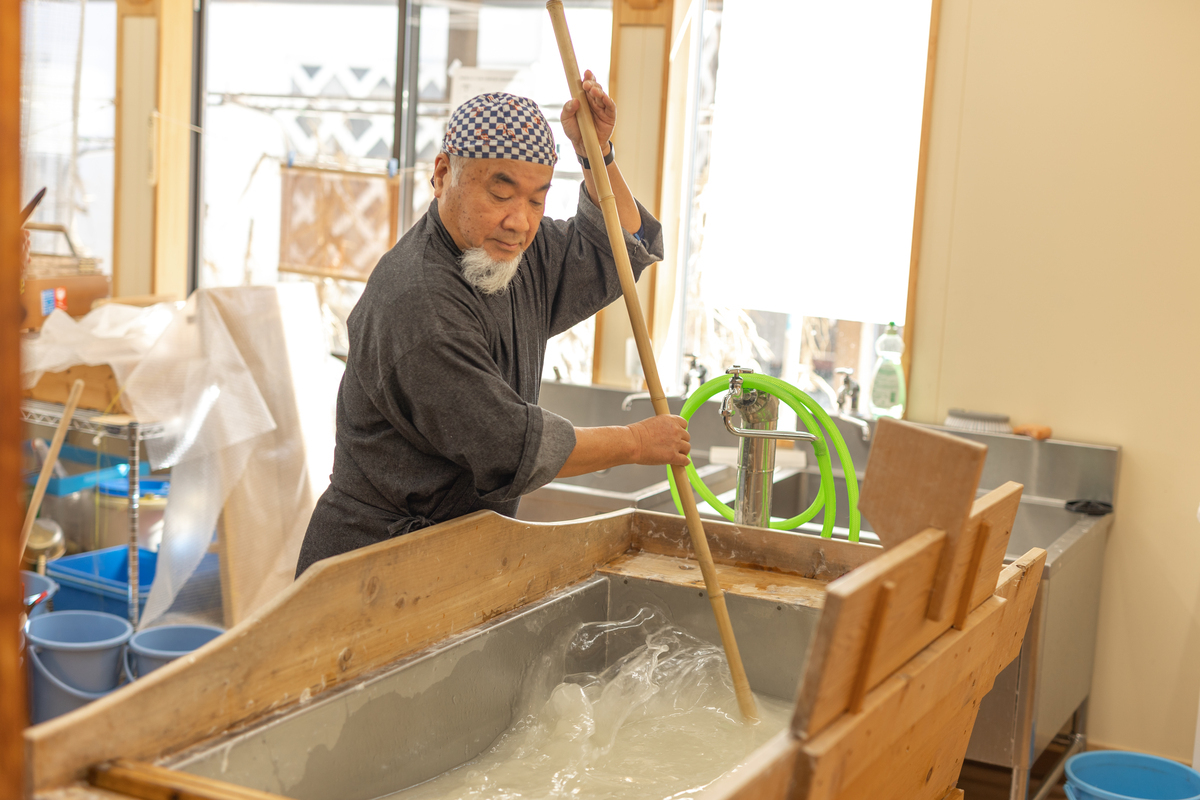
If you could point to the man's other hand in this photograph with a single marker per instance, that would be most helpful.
(661, 440)
(604, 114)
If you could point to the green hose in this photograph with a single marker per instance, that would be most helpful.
(805, 408)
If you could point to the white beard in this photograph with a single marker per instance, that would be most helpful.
(488, 275)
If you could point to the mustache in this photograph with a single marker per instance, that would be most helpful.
(489, 275)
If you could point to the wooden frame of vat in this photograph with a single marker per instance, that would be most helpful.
(885, 707)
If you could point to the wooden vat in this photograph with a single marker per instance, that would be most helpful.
(909, 638)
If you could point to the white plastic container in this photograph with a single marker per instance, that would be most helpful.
(113, 512)
(887, 395)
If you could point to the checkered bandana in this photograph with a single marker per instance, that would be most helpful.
(500, 125)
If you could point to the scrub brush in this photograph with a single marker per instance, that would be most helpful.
(977, 421)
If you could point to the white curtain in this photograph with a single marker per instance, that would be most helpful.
(816, 135)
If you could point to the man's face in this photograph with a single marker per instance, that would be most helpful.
(495, 205)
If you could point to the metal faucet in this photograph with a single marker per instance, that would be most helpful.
(695, 370)
(627, 403)
(756, 451)
(849, 393)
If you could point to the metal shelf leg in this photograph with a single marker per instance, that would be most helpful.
(134, 437)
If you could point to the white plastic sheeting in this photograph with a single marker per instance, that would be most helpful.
(243, 381)
(113, 334)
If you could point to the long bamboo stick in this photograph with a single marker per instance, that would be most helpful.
(39, 491)
(616, 238)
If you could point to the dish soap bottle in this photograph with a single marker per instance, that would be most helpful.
(887, 382)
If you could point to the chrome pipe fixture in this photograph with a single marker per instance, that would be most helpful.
(756, 452)
(627, 403)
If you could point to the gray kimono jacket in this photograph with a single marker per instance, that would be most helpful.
(437, 413)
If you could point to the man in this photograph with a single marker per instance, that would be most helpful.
(437, 413)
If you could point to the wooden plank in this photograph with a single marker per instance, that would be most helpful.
(858, 689)
(133, 192)
(151, 782)
(79, 791)
(998, 509)
(761, 548)
(903, 745)
(981, 535)
(914, 258)
(910, 739)
(173, 148)
(407, 593)
(842, 634)
(955, 794)
(774, 586)
(920, 478)
(14, 715)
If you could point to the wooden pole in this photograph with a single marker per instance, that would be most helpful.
(39, 491)
(616, 239)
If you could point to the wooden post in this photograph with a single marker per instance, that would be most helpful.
(152, 177)
(616, 238)
(637, 80)
(914, 259)
(13, 712)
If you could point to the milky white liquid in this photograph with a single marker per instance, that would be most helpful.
(662, 722)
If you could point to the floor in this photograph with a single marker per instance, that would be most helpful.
(985, 782)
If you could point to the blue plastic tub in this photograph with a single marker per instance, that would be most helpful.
(31, 584)
(49, 696)
(156, 647)
(1113, 775)
(80, 648)
(99, 580)
(90, 469)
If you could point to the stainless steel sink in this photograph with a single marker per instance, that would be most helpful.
(446, 705)
(1040, 694)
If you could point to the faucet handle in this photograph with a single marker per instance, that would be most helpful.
(735, 382)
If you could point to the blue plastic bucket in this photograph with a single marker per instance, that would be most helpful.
(80, 648)
(49, 697)
(31, 584)
(1113, 775)
(155, 647)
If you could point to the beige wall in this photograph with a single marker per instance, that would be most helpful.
(1060, 283)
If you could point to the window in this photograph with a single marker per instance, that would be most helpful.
(468, 49)
(804, 166)
(319, 90)
(302, 171)
(68, 60)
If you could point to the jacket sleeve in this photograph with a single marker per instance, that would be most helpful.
(449, 399)
(582, 275)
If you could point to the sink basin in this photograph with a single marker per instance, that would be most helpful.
(627, 486)
(626, 479)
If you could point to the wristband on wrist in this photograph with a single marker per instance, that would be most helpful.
(608, 159)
